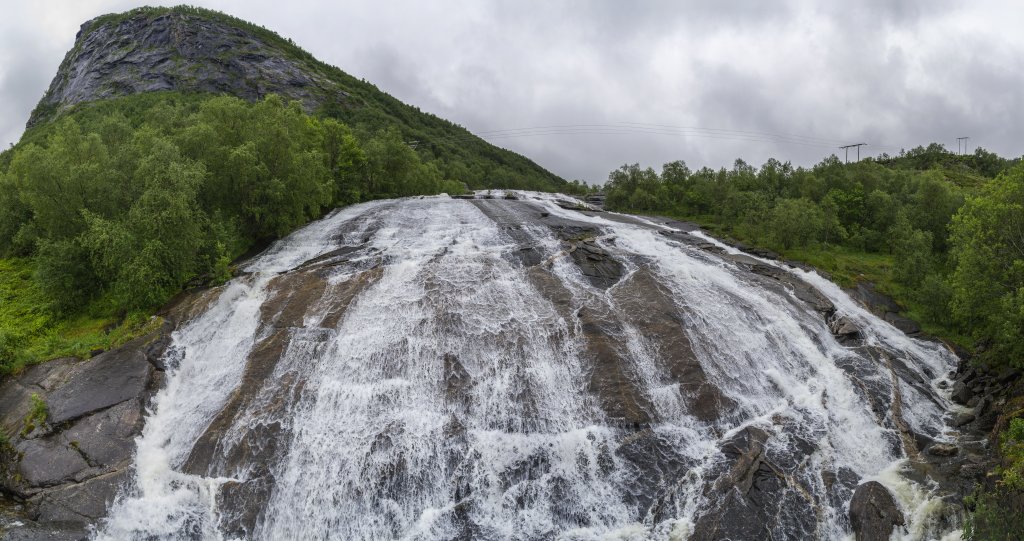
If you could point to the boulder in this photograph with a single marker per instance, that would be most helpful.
(961, 394)
(963, 418)
(844, 328)
(874, 513)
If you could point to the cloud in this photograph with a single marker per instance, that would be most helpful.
(892, 74)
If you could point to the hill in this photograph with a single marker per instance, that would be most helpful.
(174, 140)
(193, 50)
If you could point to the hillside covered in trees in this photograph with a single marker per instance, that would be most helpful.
(941, 233)
(116, 207)
(938, 231)
(200, 51)
(172, 141)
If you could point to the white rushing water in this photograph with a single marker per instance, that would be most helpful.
(380, 442)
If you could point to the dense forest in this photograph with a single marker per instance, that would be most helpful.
(108, 212)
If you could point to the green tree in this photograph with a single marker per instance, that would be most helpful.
(912, 252)
(796, 222)
(987, 247)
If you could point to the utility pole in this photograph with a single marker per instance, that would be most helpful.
(964, 139)
(848, 147)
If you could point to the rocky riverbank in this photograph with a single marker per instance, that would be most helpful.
(70, 427)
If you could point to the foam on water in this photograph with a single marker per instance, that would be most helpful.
(382, 443)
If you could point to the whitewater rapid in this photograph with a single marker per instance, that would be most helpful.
(432, 385)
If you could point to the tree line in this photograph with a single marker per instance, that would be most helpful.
(122, 204)
(952, 226)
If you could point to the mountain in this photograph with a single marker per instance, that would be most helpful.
(193, 50)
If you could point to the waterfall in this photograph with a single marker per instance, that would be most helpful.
(437, 368)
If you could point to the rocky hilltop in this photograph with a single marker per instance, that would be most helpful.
(192, 50)
(179, 51)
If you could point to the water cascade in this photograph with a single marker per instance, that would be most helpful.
(516, 367)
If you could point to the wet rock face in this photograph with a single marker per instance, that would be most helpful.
(68, 467)
(874, 513)
(639, 428)
(180, 52)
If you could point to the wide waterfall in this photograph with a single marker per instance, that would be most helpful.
(516, 366)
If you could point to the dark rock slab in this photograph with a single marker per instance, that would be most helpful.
(82, 503)
(100, 382)
(599, 267)
(107, 438)
(50, 531)
(756, 495)
(649, 306)
(49, 461)
(876, 302)
(801, 289)
(16, 393)
(907, 326)
(874, 513)
(241, 505)
(611, 378)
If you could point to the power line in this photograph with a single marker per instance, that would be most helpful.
(848, 147)
(958, 140)
(638, 128)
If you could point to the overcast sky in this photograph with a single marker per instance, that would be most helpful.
(583, 87)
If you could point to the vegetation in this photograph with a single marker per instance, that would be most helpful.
(942, 234)
(37, 413)
(112, 209)
(453, 150)
(993, 516)
(109, 208)
(928, 227)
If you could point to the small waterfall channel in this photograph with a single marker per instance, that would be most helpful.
(509, 368)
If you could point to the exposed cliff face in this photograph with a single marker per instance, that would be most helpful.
(183, 52)
(192, 50)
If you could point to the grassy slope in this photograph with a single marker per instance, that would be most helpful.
(29, 333)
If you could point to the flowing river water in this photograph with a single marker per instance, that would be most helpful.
(437, 368)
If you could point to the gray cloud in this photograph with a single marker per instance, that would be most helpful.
(893, 74)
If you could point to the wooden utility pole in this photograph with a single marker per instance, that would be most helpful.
(848, 147)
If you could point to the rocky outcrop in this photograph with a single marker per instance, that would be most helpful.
(71, 425)
(182, 52)
(883, 307)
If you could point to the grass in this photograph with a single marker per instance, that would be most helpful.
(36, 415)
(30, 332)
